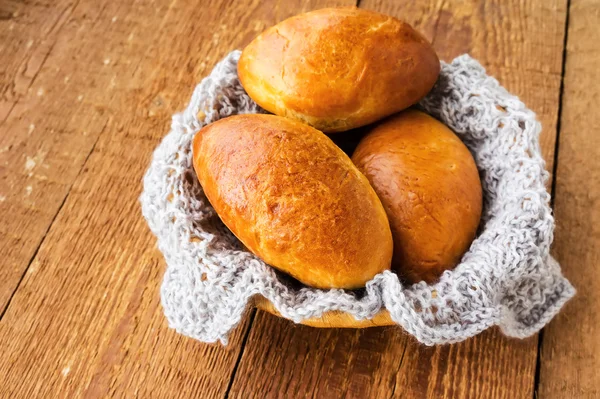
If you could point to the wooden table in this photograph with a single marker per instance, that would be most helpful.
(87, 90)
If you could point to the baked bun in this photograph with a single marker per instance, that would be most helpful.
(428, 183)
(338, 68)
(294, 199)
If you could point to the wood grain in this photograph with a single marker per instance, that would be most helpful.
(31, 160)
(86, 319)
(521, 44)
(282, 359)
(85, 103)
(27, 34)
(570, 356)
(84, 53)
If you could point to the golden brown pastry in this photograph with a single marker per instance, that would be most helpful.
(428, 183)
(294, 199)
(338, 68)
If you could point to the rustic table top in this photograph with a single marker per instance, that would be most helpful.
(87, 90)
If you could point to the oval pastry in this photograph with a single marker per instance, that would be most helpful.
(338, 68)
(294, 199)
(429, 185)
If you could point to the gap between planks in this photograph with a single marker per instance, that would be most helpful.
(252, 317)
(63, 17)
(538, 362)
(60, 207)
(552, 158)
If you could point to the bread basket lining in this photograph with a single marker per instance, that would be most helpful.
(507, 278)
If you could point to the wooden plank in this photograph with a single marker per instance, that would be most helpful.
(283, 359)
(28, 33)
(86, 319)
(521, 44)
(43, 142)
(570, 356)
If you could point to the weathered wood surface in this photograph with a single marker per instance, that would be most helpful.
(570, 356)
(38, 153)
(86, 318)
(87, 91)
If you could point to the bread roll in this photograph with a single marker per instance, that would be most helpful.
(428, 183)
(338, 68)
(294, 199)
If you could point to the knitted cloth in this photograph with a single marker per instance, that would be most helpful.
(507, 278)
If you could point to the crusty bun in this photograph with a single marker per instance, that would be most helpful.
(428, 183)
(294, 199)
(338, 68)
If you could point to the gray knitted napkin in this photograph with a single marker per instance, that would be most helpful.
(507, 278)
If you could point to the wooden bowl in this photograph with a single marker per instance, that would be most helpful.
(332, 319)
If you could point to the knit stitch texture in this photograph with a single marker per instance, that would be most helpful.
(507, 278)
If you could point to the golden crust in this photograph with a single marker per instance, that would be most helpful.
(294, 199)
(338, 68)
(428, 183)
